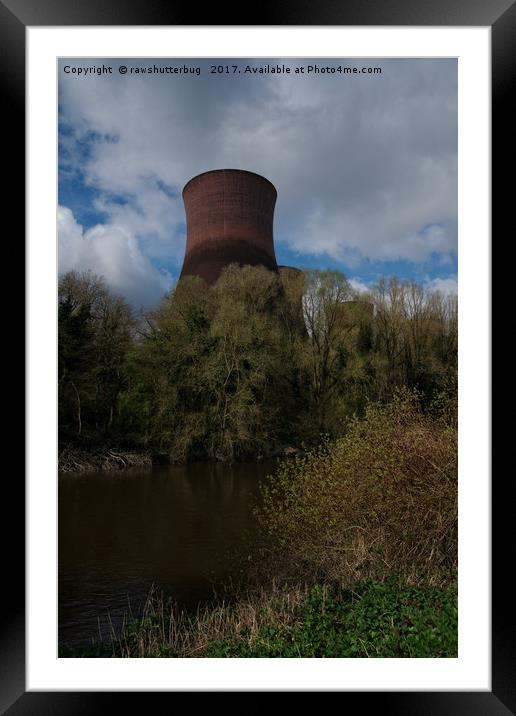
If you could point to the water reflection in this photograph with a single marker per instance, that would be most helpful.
(171, 526)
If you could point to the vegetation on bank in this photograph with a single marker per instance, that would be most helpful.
(74, 459)
(372, 619)
(381, 500)
(356, 554)
(244, 368)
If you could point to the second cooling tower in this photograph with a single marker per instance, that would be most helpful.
(229, 217)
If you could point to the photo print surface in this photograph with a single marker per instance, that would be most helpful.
(257, 309)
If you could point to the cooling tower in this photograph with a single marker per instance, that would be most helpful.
(290, 274)
(229, 215)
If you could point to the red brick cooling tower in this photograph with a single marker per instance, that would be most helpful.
(229, 215)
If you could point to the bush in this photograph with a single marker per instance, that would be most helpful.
(380, 501)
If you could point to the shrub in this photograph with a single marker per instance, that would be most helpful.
(380, 501)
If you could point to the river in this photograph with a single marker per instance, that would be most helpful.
(120, 533)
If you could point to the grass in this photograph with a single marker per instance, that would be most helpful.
(374, 619)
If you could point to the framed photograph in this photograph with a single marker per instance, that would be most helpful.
(191, 163)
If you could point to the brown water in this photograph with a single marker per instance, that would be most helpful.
(120, 533)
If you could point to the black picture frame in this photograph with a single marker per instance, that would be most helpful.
(500, 15)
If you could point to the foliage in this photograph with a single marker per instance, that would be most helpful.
(327, 351)
(96, 331)
(247, 367)
(372, 619)
(381, 500)
(215, 368)
(415, 337)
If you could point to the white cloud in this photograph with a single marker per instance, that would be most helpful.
(365, 166)
(152, 216)
(111, 251)
(359, 286)
(447, 286)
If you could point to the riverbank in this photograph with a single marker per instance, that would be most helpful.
(73, 459)
(76, 459)
(370, 620)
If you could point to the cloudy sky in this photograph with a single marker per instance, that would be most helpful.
(365, 165)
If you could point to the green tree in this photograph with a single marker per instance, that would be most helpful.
(327, 350)
(96, 332)
(76, 365)
(216, 368)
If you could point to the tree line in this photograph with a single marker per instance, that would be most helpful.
(246, 367)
